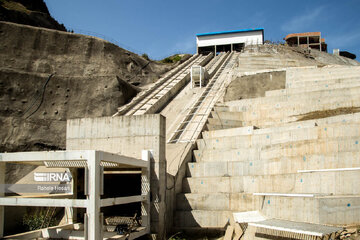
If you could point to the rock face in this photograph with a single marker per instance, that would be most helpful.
(31, 49)
(34, 13)
(90, 78)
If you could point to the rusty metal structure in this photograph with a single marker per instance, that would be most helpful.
(308, 40)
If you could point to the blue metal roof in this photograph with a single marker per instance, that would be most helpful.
(233, 31)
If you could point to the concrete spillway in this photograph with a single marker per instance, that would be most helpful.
(238, 165)
(291, 155)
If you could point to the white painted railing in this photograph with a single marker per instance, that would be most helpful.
(94, 162)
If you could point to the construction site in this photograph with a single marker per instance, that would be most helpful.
(242, 140)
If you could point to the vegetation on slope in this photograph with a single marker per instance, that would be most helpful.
(34, 13)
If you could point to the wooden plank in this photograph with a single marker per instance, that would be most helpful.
(238, 232)
(122, 200)
(43, 202)
(45, 156)
(229, 233)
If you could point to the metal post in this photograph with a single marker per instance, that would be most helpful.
(145, 190)
(70, 212)
(2, 193)
(94, 227)
(191, 78)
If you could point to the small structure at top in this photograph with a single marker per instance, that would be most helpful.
(228, 40)
(308, 39)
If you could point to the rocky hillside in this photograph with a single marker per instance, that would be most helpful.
(34, 13)
(48, 76)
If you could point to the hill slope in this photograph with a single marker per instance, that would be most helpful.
(34, 13)
(91, 78)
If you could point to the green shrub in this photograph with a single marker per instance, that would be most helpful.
(172, 59)
(176, 58)
(37, 220)
(145, 56)
(167, 60)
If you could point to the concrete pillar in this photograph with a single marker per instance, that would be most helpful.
(215, 51)
(232, 47)
(298, 41)
(307, 41)
(158, 184)
(320, 42)
(94, 222)
(2, 193)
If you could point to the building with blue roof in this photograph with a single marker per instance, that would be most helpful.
(225, 41)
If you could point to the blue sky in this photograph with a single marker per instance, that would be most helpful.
(163, 27)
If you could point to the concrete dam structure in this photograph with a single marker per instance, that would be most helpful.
(267, 149)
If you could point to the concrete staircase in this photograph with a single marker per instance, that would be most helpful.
(292, 155)
(257, 58)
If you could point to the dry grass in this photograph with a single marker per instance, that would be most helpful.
(328, 113)
(15, 6)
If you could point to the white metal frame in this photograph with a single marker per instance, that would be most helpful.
(201, 77)
(94, 161)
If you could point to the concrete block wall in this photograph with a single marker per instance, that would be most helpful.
(128, 135)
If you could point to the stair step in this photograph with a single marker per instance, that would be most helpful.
(212, 127)
(321, 132)
(345, 118)
(238, 202)
(201, 232)
(311, 87)
(225, 122)
(326, 210)
(288, 101)
(203, 219)
(325, 182)
(280, 165)
(226, 115)
(300, 148)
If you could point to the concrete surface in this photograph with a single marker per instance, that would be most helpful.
(128, 136)
(275, 162)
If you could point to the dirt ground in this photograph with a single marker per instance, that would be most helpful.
(253, 86)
